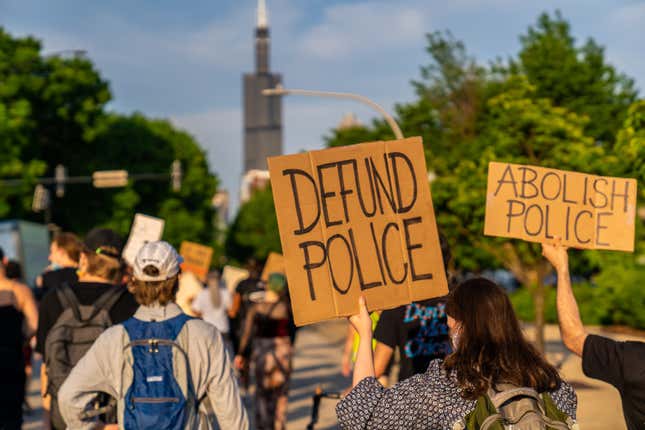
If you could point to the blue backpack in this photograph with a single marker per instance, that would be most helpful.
(161, 395)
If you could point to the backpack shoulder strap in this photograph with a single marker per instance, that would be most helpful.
(272, 308)
(499, 398)
(107, 299)
(68, 299)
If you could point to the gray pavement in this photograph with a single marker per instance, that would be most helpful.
(317, 363)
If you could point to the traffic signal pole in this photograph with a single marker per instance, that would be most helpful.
(42, 201)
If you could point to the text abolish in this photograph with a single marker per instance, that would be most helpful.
(357, 220)
(538, 204)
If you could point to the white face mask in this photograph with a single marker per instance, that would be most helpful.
(454, 337)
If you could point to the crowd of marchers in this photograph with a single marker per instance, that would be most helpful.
(144, 345)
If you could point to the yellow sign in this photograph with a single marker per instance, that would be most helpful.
(197, 258)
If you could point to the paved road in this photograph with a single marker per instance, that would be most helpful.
(317, 362)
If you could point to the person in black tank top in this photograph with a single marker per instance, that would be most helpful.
(12, 365)
(268, 328)
(18, 319)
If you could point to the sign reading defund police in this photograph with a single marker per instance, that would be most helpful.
(538, 204)
(357, 220)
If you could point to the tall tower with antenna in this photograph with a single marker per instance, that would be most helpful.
(262, 115)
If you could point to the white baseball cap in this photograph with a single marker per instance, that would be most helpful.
(162, 256)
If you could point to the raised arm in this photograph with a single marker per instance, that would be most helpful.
(571, 328)
(346, 361)
(364, 366)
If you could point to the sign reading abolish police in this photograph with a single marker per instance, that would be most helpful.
(357, 220)
(538, 204)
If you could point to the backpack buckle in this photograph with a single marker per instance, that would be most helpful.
(153, 345)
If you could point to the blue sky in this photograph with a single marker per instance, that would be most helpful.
(183, 60)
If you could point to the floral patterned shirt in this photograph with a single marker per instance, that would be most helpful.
(429, 401)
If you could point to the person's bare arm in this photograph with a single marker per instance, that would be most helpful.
(571, 327)
(235, 306)
(248, 327)
(27, 305)
(364, 366)
(382, 356)
(346, 361)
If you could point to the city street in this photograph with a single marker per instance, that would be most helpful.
(317, 363)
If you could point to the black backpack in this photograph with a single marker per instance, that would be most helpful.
(71, 337)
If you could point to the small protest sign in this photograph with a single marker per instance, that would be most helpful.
(144, 229)
(274, 264)
(537, 204)
(357, 220)
(232, 276)
(197, 259)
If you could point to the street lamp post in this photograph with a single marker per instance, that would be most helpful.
(280, 91)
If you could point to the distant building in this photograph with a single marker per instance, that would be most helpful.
(253, 180)
(221, 204)
(262, 115)
(349, 120)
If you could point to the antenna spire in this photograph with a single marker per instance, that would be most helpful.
(263, 19)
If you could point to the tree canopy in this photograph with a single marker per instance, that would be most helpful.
(556, 105)
(52, 111)
(254, 232)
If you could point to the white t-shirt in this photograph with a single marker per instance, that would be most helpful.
(210, 314)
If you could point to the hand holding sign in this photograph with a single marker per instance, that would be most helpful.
(357, 220)
(556, 254)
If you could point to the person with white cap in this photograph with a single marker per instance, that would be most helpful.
(167, 370)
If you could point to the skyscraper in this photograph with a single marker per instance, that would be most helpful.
(262, 115)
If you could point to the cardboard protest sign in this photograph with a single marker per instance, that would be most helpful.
(537, 204)
(144, 229)
(357, 220)
(197, 258)
(274, 264)
(232, 276)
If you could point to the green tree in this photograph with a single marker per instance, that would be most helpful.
(524, 130)
(142, 145)
(575, 77)
(52, 111)
(254, 232)
(536, 111)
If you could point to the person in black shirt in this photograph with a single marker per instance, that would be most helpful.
(99, 270)
(419, 330)
(64, 254)
(621, 364)
(241, 302)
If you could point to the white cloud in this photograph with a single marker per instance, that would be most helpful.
(363, 28)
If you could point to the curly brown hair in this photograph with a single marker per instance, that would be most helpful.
(149, 292)
(491, 347)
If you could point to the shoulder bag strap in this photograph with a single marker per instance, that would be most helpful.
(68, 299)
(107, 299)
(498, 399)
